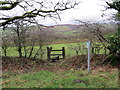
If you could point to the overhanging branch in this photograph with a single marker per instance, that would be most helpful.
(114, 5)
(34, 13)
(12, 5)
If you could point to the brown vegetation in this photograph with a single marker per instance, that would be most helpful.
(21, 65)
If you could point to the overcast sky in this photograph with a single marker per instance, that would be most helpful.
(87, 10)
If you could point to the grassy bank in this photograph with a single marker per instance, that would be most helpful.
(61, 79)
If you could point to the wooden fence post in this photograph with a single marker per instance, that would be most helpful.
(48, 53)
(63, 52)
(92, 49)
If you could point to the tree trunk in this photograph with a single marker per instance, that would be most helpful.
(19, 42)
(5, 51)
(31, 51)
(25, 51)
(41, 49)
(119, 76)
(4, 47)
(20, 51)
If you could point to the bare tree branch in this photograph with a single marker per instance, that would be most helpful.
(114, 5)
(12, 5)
(42, 12)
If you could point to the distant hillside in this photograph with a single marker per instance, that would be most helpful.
(67, 27)
(64, 29)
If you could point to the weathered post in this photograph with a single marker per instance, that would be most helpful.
(63, 52)
(48, 53)
(92, 50)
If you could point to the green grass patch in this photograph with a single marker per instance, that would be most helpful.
(61, 79)
(70, 50)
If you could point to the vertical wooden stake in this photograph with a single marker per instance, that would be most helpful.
(63, 52)
(48, 53)
(92, 49)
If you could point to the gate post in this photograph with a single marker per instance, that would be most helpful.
(48, 53)
(63, 52)
(92, 49)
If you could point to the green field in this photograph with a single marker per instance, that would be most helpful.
(60, 79)
(72, 78)
(70, 49)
